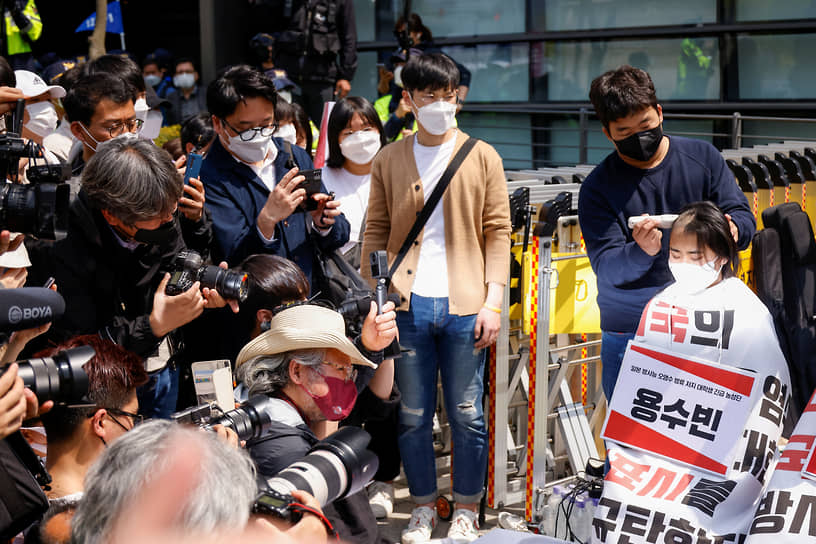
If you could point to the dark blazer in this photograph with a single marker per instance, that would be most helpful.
(235, 197)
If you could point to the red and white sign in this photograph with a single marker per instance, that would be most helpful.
(680, 407)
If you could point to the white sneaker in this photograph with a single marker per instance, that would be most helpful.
(464, 526)
(423, 521)
(512, 522)
(381, 499)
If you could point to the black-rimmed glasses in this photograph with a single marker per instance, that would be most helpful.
(250, 133)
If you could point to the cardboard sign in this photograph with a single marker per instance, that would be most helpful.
(680, 407)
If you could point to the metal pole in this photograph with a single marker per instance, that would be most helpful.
(736, 130)
(583, 137)
(122, 39)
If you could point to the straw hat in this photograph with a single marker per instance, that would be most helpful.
(305, 326)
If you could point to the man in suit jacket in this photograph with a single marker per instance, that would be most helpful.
(252, 181)
(451, 283)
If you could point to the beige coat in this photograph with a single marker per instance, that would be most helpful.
(477, 221)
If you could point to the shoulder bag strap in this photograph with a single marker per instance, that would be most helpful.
(432, 201)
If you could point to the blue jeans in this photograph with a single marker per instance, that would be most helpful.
(441, 343)
(613, 346)
(157, 398)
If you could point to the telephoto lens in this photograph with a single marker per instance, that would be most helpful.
(60, 378)
(337, 466)
(250, 420)
(40, 210)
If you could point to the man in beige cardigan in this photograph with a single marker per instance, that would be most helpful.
(450, 283)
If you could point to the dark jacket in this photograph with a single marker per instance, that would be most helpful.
(286, 443)
(332, 53)
(235, 197)
(195, 104)
(628, 278)
(107, 288)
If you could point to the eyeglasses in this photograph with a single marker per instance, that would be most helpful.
(137, 419)
(131, 125)
(423, 99)
(348, 370)
(250, 133)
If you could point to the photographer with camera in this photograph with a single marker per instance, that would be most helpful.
(77, 435)
(123, 234)
(305, 362)
(253, 180)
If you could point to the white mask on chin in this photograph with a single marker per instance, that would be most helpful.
(691, 278)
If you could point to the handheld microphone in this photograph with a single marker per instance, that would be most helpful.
(28, 307)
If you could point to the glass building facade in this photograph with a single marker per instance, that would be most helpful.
(531, 59)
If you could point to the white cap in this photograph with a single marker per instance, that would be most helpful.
(33, 85)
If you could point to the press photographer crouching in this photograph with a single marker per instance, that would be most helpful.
(305, 362)
(124, 232)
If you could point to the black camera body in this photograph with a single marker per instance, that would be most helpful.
(188, 268)
(251, 420)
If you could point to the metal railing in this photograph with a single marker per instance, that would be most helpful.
(728, 131)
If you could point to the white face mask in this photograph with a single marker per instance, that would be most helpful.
(437, 117)
(691, 278)
(42, 118)
(152, 79)
(398, 76)
(287, 132)
(360, 147)
(152, 125)
(255, 150)
(184, 81)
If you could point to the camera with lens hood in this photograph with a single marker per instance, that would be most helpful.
(60, 378)
(188, 267)
(39, 208)
(250, 420)
(337, 466)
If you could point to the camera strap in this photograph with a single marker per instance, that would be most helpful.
(433, 200)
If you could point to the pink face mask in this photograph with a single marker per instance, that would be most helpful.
(338, 402)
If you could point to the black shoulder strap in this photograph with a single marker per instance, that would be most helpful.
(432, 201)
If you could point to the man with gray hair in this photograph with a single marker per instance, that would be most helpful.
(123, 233)
(221, 500)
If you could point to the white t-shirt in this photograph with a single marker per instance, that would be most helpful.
(431, 278)
(351, 191)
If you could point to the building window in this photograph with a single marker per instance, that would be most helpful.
(776, 66)
(508, 133)
(764, 10)
(682, 69)
(499, 72)
(550, 15)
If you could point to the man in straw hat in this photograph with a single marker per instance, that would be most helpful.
(308, 365)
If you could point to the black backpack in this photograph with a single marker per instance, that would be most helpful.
(784, 254)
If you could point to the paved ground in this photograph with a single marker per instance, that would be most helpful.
(392, 527)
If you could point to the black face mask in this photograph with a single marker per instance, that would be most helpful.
(158, 236)
(641, 146)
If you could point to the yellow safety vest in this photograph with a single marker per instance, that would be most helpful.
(15, 40)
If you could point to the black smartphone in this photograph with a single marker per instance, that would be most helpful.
(312, 184)
(193, 167)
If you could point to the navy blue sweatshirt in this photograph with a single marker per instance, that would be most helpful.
(627, 277)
